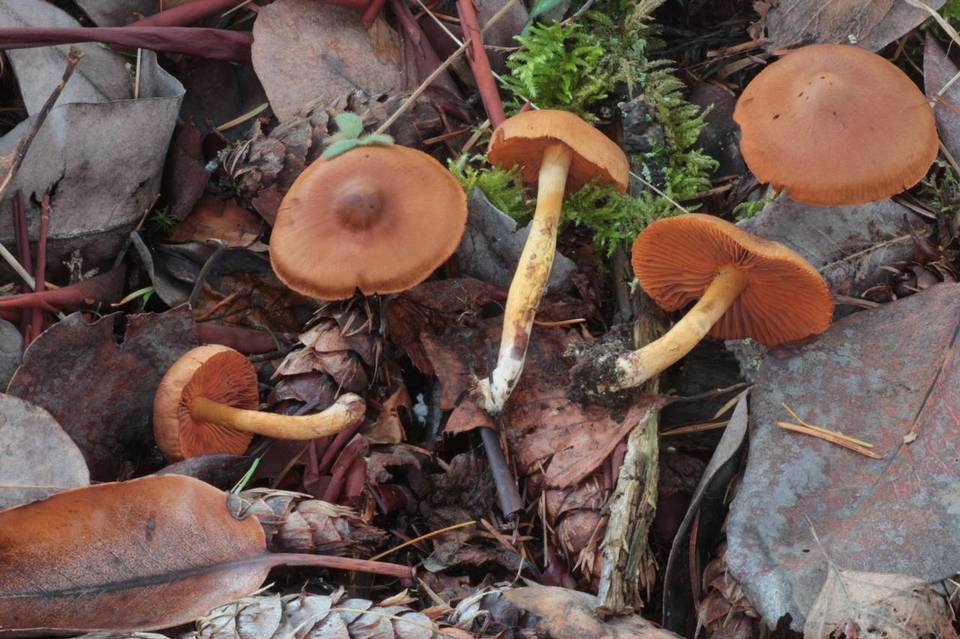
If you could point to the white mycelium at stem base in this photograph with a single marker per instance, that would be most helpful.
(638, 366)
(529, 280)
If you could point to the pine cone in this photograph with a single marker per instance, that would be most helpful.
(262, 168)
(294, 522)
(307, 616)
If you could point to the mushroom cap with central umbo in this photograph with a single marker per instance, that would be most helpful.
(522, 139)
(214, 372)
(377, 218)
(835, 124)
(785, 299)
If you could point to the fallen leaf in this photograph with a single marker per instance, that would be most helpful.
(878, 605)
(388, 429)
(11, 351)
(570, 614)
(37, 458)
(224, 220)
(716, 477)
(491, 246)
(847, 244)
(103, 183)
(219, 469)
(184, 176)
(112, 557)
(541, 423)
(100, 391)
(938, 69)
(877, 375)
(871, 24)
(306, 51)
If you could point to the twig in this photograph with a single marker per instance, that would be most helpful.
(372, 11)
(204, 274)
(416, 540)
(411, 99)
(566, 322)
(23, 146)
(834, 438)
(694, 428)
(41, 267)
(507, 494)
(480, 63)
(833, 433)
(240, 119)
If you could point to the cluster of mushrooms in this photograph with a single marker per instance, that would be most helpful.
(831, 124)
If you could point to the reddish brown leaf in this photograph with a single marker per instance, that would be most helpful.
(213, 218)
(102, 392)
(150, 553)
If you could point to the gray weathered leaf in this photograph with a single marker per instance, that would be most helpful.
(938, 70)
(37, 458)
(871, 24)
(491, 246)
(306, 51)
(100, 148)
(888, 376)
(848, 244)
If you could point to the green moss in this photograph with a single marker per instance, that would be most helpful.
(576, 67)
(556, 68)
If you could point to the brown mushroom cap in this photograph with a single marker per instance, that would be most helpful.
(785, 299)
(377, 218)
(215, 372)
(835, 124)
(521, 140)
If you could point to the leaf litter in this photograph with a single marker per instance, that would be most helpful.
(166, 168)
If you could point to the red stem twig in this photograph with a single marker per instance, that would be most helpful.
(23, 254)
(216, 44)
(480, 63)
(102, 288)
(40, 270)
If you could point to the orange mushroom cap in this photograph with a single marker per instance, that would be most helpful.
(215, 372)
(835, 124)
(522, 139)
(785, 298)
(377, 218)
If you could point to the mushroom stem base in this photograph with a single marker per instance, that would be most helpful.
(347, 411)
(529, 280)
(637, 367)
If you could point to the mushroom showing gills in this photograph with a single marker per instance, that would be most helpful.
(746, 287)
(836, 125)
(377, 218)
(560, 152)
(206, 403)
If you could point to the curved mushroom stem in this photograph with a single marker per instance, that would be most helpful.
(637, 367)
(529, 280)
(347, 411)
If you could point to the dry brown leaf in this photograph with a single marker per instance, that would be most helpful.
(306, 51)
(865, 605)
(37, 458)
(150, 553)
(569, 614)
(225, 220)
(871, 24)
(388, 429)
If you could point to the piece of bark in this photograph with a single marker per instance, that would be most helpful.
(628, 567)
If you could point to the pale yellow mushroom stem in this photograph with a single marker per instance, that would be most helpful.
(529, 280)
(633, 369)
(347, 411)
